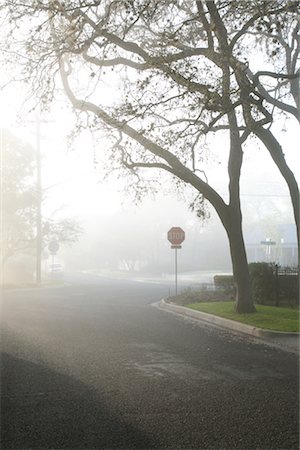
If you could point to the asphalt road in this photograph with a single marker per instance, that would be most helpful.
(92, 365)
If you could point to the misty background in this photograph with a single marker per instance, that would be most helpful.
(121, 235)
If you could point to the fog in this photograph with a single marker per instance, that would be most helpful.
(121, 235)
(124, 237)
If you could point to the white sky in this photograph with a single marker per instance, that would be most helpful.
(68, 174)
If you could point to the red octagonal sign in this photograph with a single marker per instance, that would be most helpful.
(176, 235)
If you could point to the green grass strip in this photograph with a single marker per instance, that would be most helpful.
(269, 317)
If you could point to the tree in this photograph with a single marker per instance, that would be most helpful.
(182, 78)
(19, 203)
(18, 197)
(275, 89)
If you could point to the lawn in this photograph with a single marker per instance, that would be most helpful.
(269, 317)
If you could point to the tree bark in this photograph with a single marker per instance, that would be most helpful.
(243, 296)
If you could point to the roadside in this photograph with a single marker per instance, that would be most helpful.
(268, 317)
(188, 280)
(42, 285)
(283, 340)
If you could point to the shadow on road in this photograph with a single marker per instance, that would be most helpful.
(44, 409)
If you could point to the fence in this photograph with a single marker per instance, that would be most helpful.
(286, 285)
(271, 284)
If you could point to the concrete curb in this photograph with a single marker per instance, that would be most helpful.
(278, 338)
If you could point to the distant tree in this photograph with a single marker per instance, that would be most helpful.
(183, 69)
(18, 197)
(19, 203)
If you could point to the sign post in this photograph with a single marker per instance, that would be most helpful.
(176, 271)
(268, 243)
(53, 247)
(176, 236)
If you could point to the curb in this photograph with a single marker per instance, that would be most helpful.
(279, 338)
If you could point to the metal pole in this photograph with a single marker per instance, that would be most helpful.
(1, 205)
(176, 271)
(38, 271)
(276, 286)
(52, 265)
(39, 202)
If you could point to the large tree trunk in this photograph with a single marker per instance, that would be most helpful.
(243, 296)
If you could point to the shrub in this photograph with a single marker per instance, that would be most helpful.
(224, 282)
(288, 289)
(262, 282)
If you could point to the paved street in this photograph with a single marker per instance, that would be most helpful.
(92, 365)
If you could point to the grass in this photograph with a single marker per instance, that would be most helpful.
(269, 317)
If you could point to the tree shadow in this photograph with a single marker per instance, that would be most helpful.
(43, 409)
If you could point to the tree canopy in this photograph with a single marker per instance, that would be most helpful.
(176, 71)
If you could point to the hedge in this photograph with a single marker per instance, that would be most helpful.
(224, 282)
(263, 282)
(268, 286)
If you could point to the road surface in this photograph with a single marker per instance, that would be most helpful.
(92, 365)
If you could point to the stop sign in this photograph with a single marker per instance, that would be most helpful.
(53, 247)
(176, 236)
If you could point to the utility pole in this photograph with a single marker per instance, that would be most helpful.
(39, 196)
(39, 200)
